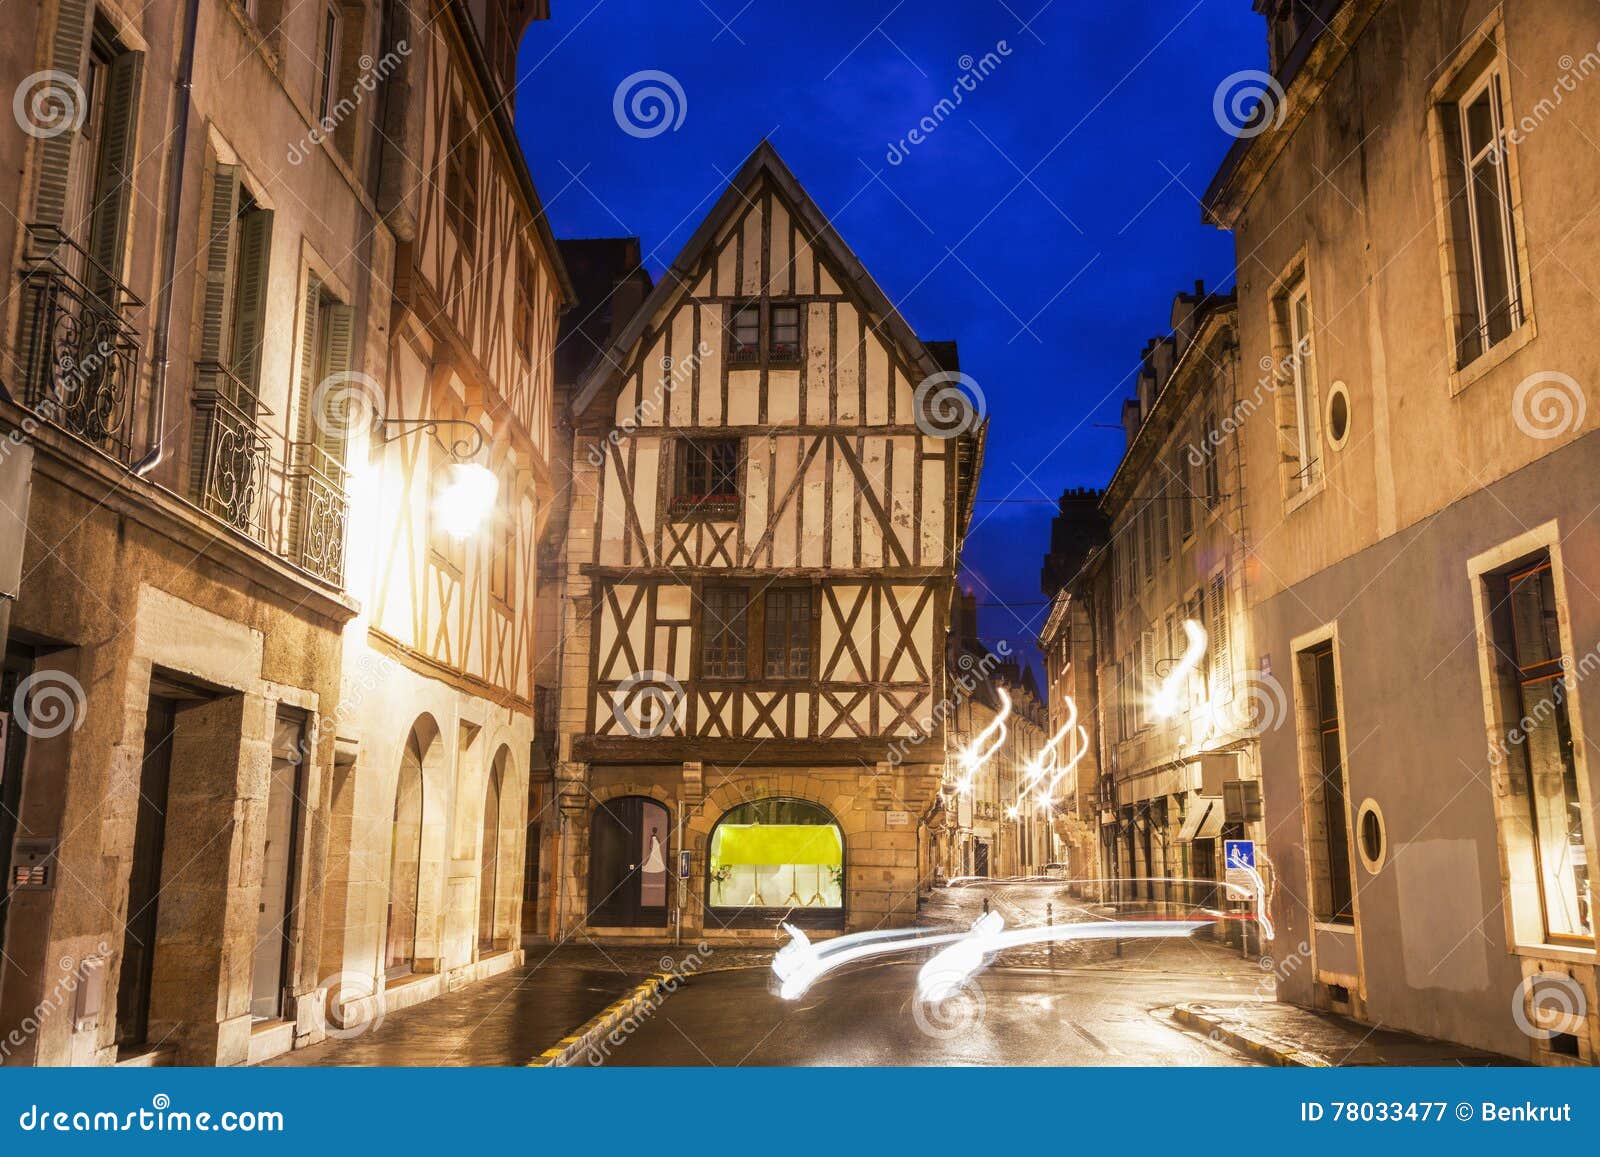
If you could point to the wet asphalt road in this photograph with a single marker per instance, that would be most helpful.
(1015, 1016)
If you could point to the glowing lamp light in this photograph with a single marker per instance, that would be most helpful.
(466, 499)
(1165, 703)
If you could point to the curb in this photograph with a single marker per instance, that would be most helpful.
(1262, 1048)
(586, 1035)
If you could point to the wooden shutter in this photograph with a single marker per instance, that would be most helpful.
(250, 308)
(220, 239)
(53, 155)
(113, 192)
(306, 428)
(337, 350)
(1221, 662)
(1147, 677)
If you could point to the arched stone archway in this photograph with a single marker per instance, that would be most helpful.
(776, 859)
(494, 864)
(405, 862)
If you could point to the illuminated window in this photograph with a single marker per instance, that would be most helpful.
(1547, 845)
(1333, 885)
(777, 858)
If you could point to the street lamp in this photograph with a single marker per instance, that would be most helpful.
(468, 495)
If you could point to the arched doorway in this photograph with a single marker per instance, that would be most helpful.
(489, 860)
(405, 864)
(776, 859)
(629, 847)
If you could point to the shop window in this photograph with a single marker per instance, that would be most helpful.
(778, 858)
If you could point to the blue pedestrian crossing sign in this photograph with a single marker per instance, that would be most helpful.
(1239, 858)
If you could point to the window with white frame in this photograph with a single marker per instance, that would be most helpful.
(1297, 392)
(1543, 824)
(1488, 306)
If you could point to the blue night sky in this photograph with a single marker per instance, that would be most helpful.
(1045, 225)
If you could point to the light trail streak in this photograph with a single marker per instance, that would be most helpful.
(984, 745)
(799, 964)
(1165, 702)
(943, 975)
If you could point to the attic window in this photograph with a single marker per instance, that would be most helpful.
(744, 334)
(783, 341)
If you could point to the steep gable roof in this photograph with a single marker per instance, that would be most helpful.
(678, 280)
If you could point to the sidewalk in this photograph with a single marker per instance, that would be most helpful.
(1282, 1034)
(511, 1019)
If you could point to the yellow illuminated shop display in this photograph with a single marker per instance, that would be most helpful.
(777, 865)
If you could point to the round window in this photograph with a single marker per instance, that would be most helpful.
(1371, 837)
(1338, 415)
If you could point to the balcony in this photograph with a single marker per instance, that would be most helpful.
(321, 513)
(230, 455)
(79, 346)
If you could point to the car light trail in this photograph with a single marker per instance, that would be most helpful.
(952, 967)
(800, 963)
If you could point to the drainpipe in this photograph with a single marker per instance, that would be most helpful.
(169, 245)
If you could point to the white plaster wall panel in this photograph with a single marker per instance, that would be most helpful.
(786, 456)
(682, 400)
(707, 380)
(872, 463)
(902, 494)
(818, 360)
(750, 268)
(805, 261)
(728, 267)
(613, 511)
(877, 382)
(844, 525)
(783, 397)
(781, 278)
(758, 467)
(744, 397)
(933, 507)
(650, 406)
(847, 356)
(646, 474)
(813, 513)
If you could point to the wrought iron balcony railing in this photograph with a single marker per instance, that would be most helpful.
(321, 513)
(79, 345)
(230, 455)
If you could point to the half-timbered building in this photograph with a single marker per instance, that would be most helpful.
(760, 563)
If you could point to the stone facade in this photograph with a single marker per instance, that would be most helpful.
(207, 305)
(1424, 458)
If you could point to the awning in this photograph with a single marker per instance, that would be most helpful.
(743, 844)
(1204, 821)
